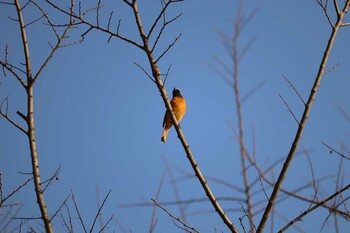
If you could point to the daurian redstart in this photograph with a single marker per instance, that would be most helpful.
(178, 104)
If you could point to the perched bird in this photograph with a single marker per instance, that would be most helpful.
(178, 104)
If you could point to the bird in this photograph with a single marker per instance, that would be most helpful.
(178, 104)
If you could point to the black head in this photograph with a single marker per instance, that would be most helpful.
(177, 93)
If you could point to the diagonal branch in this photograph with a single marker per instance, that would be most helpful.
(177, 219)
(99, 211)
(298, 218)
(303, 120)
(5, 115)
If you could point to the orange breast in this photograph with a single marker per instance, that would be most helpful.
(179, 107)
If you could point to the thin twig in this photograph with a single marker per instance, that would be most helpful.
(153, 219)
(289, 110)
(15, 191)
(167, 73)
(324, 8)
(59, 208)
(78, 212)
(53, 177)
(175, 218)
(295, 90)
(149, 76)
(169, 47)
(335, 151)
(99, 211)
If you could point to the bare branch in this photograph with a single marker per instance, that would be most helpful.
(252, 91)
(246, 214)
(345, 114)
(91, 26)
(179, 202)
(175, 218)
(70, 227)
(335, 2)
(295, 90)
(59, 208)
(335, 151)
(162, 13)
(106, 224)
(331, 69)
(169, 47)
(153, 219)
(10, 68)
(149, 76)
(14, 191)
(324, 8)
(99, 211)
(298, 218)
(289, 110)
(78, 212)
(165, 23)
(314, 183)
(303, 120)
(34, 21)
(53, 177)
(5, 115)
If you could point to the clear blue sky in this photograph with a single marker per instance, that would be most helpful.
(99, 117)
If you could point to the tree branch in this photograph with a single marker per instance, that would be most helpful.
(175, 218)
(303, 119)
(298, 218)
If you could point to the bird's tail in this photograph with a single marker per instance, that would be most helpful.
(165, 133)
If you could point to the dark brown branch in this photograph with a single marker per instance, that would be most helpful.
(59, 208)
(165, 23)
(166, 75)
(162, 13)
(106, 224)
(53, 177)
(335, 151)
(34, 21)
(169, 47)
(324, 8)
(149, 76)
(336, 8)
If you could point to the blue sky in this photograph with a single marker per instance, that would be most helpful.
(99, 117)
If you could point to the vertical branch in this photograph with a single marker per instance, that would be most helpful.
(237, 29)
(30, 122)
(304, 118)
